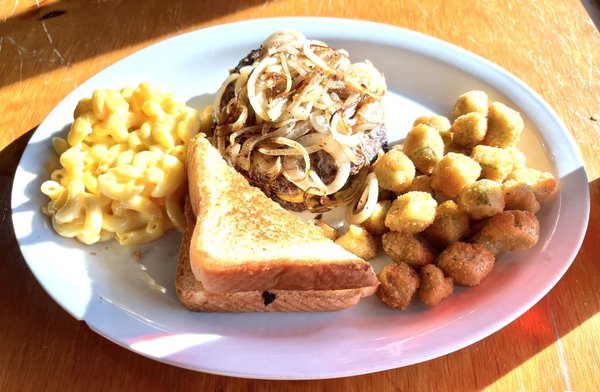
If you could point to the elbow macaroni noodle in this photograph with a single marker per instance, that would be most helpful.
(122, 169)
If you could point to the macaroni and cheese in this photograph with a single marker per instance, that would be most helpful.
(122, 171)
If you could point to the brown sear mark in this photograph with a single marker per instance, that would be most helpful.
(268, 297)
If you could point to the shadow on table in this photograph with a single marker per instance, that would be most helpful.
(593, 9)
(41, 39)
(551, 319)
(9, 159)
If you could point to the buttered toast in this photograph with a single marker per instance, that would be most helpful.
(194, 296)
(243, 241)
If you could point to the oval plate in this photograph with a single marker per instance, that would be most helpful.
(132, 301)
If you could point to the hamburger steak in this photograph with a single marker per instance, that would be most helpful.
(266, 92)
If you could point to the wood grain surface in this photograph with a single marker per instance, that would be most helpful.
(47, 48)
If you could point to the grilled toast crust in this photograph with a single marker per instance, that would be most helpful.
(244, 241)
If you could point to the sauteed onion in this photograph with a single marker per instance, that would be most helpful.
(298, 97)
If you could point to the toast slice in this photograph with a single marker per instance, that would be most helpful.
(244, 241)
(194, 296)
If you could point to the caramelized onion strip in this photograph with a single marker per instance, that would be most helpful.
(360, 211)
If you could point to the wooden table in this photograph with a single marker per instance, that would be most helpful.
(47, 48)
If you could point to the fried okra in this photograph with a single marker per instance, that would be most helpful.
(542, 183)
(509, 231)
(359, 241)
(467, 264)
(504, 126)
(424, 146)
(421, 184)
(470, 102)
(451, 224)
(453, 172)
(411, 212)
(375, 224)
(517, 156)
(434, 287)
(481, 199)
(327, 230)
(519, 196)
(394, 171)
(398, 285)
(440, 123)
(469, 129)
(496, 163)
(406, 248)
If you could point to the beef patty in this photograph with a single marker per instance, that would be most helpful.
(324, 165)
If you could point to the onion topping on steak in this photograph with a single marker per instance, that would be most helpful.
(301, 121)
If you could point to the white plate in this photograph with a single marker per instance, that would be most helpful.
(134, 304)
